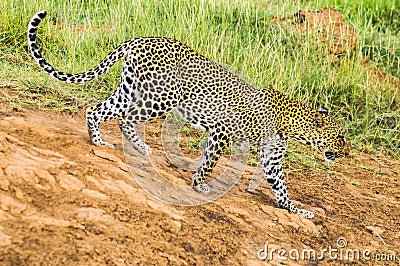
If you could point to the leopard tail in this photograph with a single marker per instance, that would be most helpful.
(112, 58)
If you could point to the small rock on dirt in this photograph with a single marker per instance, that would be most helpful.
(94, 194)
(70, 182)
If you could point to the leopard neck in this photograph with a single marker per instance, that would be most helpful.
(287, 113)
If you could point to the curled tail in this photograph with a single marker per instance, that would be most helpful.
(102, 67)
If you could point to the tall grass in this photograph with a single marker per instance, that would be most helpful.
(76, 35)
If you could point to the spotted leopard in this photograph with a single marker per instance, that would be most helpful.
(162, 74)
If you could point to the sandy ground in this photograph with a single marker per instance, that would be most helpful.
(64, 201)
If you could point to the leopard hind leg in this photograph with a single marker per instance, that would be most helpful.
(125, 96)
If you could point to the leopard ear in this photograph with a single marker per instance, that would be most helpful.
(323, 110)
(319, 120)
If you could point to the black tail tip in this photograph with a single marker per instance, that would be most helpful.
(42, 14)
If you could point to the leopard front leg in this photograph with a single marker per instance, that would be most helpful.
(271, 155)
(216, 144)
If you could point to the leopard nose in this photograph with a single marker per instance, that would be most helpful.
(330, 156)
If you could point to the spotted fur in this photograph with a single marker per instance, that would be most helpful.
(162, 74)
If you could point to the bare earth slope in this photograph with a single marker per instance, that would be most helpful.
(64, 201)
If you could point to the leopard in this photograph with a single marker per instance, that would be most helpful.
(161, 74)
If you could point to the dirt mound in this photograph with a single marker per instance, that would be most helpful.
(64, 201)
(329, 27)
(331, 31)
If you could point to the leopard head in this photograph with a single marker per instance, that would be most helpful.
(323, 133)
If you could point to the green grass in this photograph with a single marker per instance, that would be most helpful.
(76, 35)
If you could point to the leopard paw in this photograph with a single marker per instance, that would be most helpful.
(308, 214)
(202, 188)
(147, 150)
(143, 148)
(103, 143)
